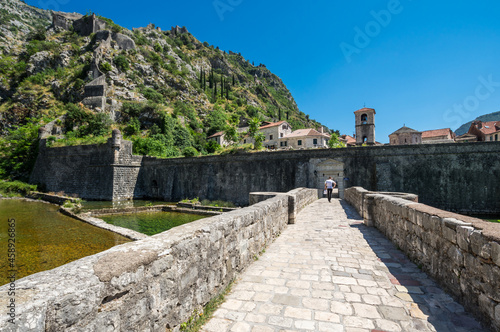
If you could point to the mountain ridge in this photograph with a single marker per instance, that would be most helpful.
(44, 68)
(494, 116)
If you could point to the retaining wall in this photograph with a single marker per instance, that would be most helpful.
(460, 252)
(151, 284)
(455, 177)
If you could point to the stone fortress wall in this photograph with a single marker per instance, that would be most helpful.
(454, 177)
(461, 253)
(152, 284)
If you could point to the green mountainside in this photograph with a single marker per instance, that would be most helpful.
(165, 90)
(495, 116)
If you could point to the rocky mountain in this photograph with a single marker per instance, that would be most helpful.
(495, 116)
(82, 76)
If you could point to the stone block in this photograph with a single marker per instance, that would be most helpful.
(450, 235)
(426, 222)
(436, 224)
(463, 237)
(456, 255)
(477, 242)
(495, 252)
(487, 306)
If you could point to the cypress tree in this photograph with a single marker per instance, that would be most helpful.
(222, 87)
(227, 92)
(233, 79)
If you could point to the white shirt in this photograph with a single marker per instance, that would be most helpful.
(329, 184)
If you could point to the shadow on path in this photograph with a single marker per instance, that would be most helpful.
(424, 299)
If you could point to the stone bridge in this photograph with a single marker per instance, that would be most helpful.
(328, 271)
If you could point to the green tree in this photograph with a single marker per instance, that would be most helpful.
(18, 151)
(182, 137)
(133, 127)
(212, 146)
(335, 142)
(231, 134)
(254, 126)
(216, 121)
(259, 138)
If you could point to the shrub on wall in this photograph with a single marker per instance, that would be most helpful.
(189, 151)
(121, 62)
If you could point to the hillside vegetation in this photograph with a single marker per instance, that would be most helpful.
(167, 95)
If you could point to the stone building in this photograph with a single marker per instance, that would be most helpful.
(347, 140)
(365, 126)
(219, 138)
(438, 136)
(305, 139)
(405, 136)
(485, 131)
(273, 131)
(466, 138)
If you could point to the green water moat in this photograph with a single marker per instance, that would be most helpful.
(45, 238)
(151, 223)
(95, 205)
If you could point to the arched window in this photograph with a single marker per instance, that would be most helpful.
(364, 118)
(365, 139)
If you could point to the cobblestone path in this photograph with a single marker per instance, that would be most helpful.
(329, 272)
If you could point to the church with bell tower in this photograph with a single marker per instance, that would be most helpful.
(365, 126)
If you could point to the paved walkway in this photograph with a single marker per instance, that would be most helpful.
(329, 272)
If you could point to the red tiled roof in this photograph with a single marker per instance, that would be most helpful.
(365, 109)
(220, 133)
(437, 132)
(490, 127)
(348, 139)
(274, 124)
(404, 129)
(305, 132)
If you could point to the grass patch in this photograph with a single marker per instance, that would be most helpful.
(71, 141)
(15, 188)
(494, 220)
(198, 319)
(217, 203)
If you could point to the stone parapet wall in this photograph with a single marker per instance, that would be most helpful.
(152, 284)
(462, 253)
(297, 200)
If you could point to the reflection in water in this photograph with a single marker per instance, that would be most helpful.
(151, 223)
(46, 239)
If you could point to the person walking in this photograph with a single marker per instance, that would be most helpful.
(329, 185)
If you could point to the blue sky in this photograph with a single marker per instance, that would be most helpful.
(422, 63)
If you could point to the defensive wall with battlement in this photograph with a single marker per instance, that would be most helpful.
(454, 177)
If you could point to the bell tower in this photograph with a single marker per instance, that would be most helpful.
(365, 126)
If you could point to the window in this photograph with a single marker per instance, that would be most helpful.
(299, 142)
(281, 134)
(285, 127)
(270, 137)
(496, 137)
(315, 141)
(364, 118)
(286, 143)
(281, 143)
